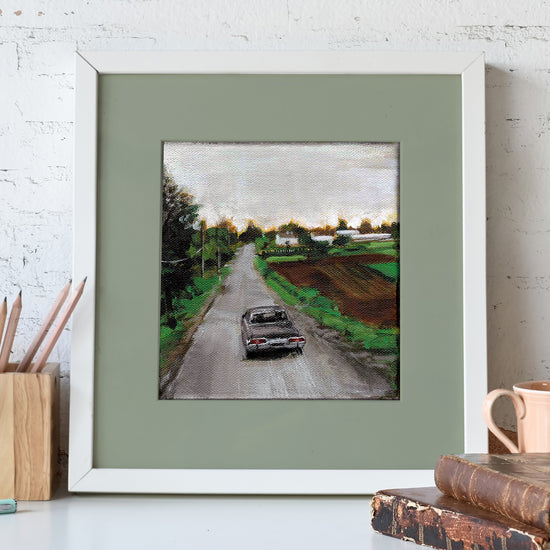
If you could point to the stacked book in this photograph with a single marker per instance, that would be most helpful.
(480, 502)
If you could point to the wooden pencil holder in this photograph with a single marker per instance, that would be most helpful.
(28, 432)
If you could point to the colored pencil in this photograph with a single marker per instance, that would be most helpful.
(3, 316)
(46, 325)
(58, 328)
(10, 333)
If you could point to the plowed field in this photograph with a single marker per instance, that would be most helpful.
(359, 291)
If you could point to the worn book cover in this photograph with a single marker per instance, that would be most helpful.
(514, 485)
(428, 517)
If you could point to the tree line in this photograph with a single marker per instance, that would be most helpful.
(190, 248)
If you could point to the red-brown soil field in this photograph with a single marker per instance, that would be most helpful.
(359, 291)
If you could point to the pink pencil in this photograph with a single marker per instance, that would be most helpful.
(10, 333)
(46, 325)
(58, 329)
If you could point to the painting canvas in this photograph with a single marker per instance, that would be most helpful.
(280, 271)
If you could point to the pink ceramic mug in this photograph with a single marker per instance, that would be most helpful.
(532, 405)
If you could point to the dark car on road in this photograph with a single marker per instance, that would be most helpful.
(269, 328)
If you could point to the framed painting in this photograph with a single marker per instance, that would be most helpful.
(294, 247)
(286, 270)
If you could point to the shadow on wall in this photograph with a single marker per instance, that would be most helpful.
(511, 253)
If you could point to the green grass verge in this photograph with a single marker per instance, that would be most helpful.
(325, 311)
(390, 270)
(374, 247)
(282, 259)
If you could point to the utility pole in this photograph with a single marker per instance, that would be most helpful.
(218, 251)
(203, 223)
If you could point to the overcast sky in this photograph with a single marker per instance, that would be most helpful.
(272, 183)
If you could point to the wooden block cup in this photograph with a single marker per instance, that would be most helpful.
(28, 432)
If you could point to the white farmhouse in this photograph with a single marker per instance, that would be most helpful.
(286, 238)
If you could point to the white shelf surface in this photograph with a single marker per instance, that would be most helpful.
(105, 522)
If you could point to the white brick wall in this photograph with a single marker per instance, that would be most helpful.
(37, 44)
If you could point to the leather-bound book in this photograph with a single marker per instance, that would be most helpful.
(428, 517)
(514, 485)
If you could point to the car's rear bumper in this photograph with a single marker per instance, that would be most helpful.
(274, 346)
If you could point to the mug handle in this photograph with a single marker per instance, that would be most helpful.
(519, 407)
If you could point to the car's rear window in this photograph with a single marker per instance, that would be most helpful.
(268, 317)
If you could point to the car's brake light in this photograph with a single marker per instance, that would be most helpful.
(257, 341)
(295, 339)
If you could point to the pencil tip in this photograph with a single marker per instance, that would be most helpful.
(20, 292)
(70, 280)
(85, 279)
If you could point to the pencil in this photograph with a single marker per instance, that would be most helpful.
(58, 328)
(3, 315)
(46, 325)
(10, 333)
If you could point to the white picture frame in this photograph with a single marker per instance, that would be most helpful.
(83, 476)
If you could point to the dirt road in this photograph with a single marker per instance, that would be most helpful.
(214, 367)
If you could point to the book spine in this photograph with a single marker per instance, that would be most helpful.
(494, 491)
(428, 525)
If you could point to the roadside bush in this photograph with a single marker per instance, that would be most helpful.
(261, 242)
(308, 294)
(204, 285)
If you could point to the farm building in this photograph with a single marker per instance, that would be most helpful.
(286, 239)
(322, 238)
(347, 232)
(366, 237)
